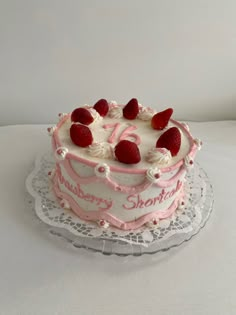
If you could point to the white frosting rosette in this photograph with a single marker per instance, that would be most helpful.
(198, 143)
(160, 156)
(153, 174)
(51, 173)
(96, 116)
(51, 130)
(65, 204)
(181, 204)
(102, 170)
(113, 103)
(153, 223)
(102, 150)
(145, 113)
(87, 106)
(188, 161)
(115, 112)
(60, 153)
(103, 224)
(62, 115)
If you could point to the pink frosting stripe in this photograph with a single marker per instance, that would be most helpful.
(79, 179)
(122, 188)
(129, 189)
(96, 215)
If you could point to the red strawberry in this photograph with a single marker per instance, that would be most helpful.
(161, 119)
(130, 111)
(101, 107)
(171, 140)
(127, 152)
(82, 115)
(81, 135)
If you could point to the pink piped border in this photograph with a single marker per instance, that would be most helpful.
(130, 225)
(122, 188)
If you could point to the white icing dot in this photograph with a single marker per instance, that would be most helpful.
(198, 143)
(64, 204)
(60, 153)
(51, 130)
(103, 223)
(102, 170)
(153, 174)
(189, 163)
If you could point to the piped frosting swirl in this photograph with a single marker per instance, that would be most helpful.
(101, 150)
(115, 112)
(145, 113)
(160, 156)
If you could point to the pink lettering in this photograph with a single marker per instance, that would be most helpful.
(129, 199)
(79, 192)
(161, 196)
(115, 127)
(167, 195)
(156, 199)
(172, 193)
(125, 133)
(140, 203)
(108, 203)
(102, 204)
(136, 201)
(149, 202)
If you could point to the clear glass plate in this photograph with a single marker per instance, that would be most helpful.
(169, 233)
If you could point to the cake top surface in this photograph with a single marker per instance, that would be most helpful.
(102, 130)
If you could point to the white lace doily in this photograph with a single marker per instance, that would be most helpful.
(181, 226)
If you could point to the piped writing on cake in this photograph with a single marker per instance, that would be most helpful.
(136, 201)
(103, 204)
(126, 133)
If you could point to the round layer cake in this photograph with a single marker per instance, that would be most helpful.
(121, 165)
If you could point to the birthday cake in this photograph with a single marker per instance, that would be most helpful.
(121, 165)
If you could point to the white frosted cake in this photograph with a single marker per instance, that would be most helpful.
(121, 165)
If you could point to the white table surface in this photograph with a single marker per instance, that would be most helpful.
(41, 274)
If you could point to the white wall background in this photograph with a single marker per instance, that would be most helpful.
(59, 54)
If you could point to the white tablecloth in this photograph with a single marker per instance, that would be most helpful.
(41, 274)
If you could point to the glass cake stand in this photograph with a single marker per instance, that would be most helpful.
(169, 233)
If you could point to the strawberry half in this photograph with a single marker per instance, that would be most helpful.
(131, 110)
(81, 135)
(160, 120)
(171, 140)
(101, 107)
(82, 115)
(127, 152)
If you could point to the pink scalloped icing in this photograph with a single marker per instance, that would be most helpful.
(131, 225)
(126, 189)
